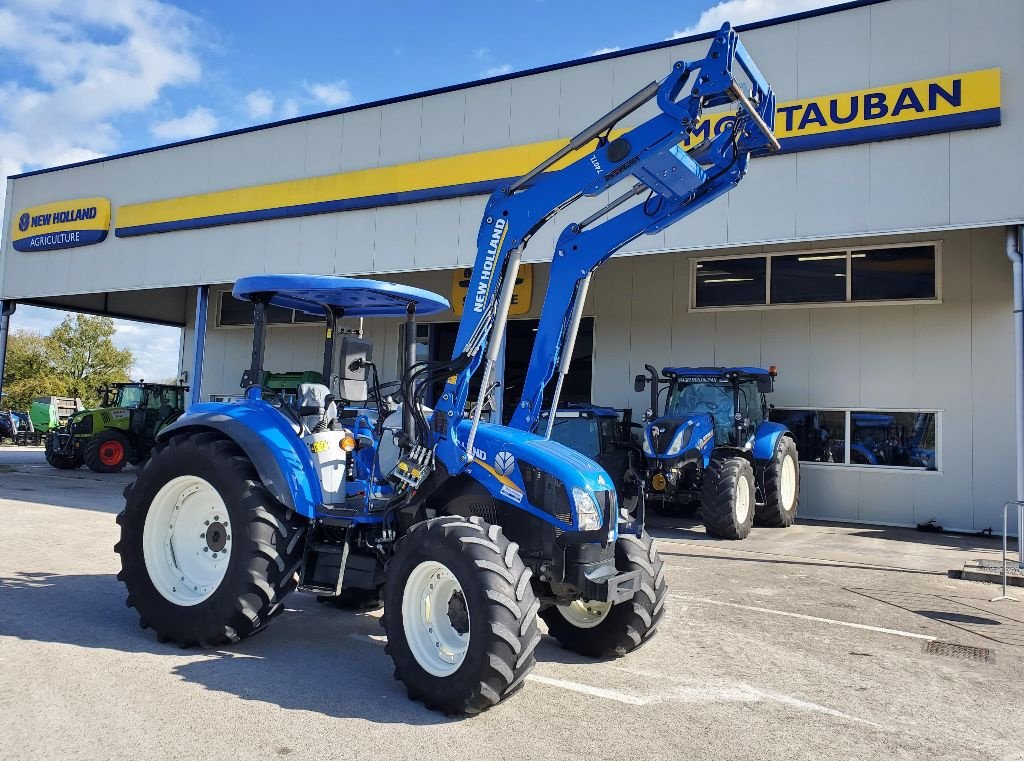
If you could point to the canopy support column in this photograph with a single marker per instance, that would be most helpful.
(199, 341)
(6, 310)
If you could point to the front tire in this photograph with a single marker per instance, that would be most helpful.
(60, 461)
(728, 498)
(781, 486)
(107, 452)
(460, 615)
(207, 553)
(601, 630)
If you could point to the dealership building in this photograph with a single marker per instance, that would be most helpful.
(870, 260)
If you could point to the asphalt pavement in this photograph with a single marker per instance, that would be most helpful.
(816, 642)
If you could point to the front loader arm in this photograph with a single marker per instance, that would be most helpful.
(650, 154)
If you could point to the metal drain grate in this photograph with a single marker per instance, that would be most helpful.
(960, 652)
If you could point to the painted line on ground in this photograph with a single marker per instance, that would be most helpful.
(597, 692)
(734, 693)
(677, 542)
(805, 617)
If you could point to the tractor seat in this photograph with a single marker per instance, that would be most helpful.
(314, 395)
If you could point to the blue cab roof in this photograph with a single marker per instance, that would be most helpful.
(359, 297)
(593, 409)
(713, 372)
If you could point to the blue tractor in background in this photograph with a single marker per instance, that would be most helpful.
(714, 444)
(477, 529)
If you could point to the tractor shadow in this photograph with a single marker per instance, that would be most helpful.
(311, 658)
(78, 489)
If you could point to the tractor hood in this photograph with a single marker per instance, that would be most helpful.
(669, 437)
(567, 465)
(517, 467)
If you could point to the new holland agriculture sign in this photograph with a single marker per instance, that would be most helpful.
(63, 224)
(938, 104)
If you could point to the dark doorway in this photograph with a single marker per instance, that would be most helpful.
(519, 336)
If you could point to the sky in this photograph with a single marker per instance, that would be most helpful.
(89, 78)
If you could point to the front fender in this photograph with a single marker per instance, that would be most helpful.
(268, 440)
(766, 437)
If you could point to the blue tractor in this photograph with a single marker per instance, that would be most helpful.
(477, 528)
(714, 444)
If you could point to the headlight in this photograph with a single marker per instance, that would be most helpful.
(679, 441)
(647, 447)
(588, 518)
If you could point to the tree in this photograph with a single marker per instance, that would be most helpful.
(28, 372)
(75, 359)
(83, 357)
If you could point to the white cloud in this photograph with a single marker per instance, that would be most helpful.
(289, 109)
(602, 51)
(196, 123)
(738, 12)
(330, 94)
(497, 71)
(91, 62)
(481, 53)
(260, 104)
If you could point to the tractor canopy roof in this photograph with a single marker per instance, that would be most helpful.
(715, 373)
(358, 297)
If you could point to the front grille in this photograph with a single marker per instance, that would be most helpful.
(545, 491)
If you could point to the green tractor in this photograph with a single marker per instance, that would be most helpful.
(121, 431)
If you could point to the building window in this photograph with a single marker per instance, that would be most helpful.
(887, 274)
(731, 282)
(237, 312)
(872, 438)
(808, 278)
(820, 434)
(843, 276)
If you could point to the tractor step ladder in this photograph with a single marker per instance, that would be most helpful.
(314, 555)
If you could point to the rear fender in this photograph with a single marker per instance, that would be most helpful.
(268, 440)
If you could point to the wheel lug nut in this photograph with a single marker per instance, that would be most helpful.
(206, 523)
(206, 549)
(215, 554)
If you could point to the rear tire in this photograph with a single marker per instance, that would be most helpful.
(60, 461)
(195, 477)
(728, 498)
(484, 621)
(781, 486)
(598, 630)
(107, 452)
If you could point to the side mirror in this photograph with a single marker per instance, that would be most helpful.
(639, 383)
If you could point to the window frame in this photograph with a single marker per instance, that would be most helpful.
(847, 411)
(848, 251)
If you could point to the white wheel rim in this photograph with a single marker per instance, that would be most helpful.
(186, 541)
(585, 614)
(742, 501)
(435, 617)
(787, 483)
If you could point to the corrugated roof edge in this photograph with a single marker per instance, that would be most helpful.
(462, 86)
